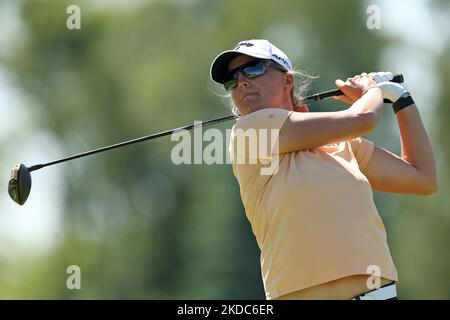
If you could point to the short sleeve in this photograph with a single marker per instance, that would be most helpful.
(362, 149)
(255, 136)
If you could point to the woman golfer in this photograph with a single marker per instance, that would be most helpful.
(314, 217)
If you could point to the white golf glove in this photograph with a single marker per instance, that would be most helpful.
(381, 76)
(391, 91)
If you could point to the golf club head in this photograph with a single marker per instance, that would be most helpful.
(19, 185)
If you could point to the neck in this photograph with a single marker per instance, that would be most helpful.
(249, 109)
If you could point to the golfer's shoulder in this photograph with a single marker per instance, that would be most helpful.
(268, 118)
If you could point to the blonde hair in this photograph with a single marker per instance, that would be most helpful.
(302, 83)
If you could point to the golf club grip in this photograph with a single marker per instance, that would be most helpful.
(398, 78)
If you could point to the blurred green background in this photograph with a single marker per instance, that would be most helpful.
(141, 227)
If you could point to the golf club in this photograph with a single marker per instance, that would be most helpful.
(19, 185)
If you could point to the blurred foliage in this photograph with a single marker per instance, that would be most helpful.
(141, 227)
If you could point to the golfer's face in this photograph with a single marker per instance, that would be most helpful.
(263, 91)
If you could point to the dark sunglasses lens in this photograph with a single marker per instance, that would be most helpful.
(230, 84)
(254, 70)
(250, 70)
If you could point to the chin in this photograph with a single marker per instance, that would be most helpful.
(253, 104)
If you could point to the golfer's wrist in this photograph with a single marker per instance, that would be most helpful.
(405, 101)
(373, 92)
(372, 87)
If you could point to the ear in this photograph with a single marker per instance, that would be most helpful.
(288, 82)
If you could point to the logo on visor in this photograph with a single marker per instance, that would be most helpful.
(280, 58)
(240, 44)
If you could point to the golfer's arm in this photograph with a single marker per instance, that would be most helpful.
(305, 130)
(413, 172)
(415, 144)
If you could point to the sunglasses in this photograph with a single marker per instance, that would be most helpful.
(250, 70)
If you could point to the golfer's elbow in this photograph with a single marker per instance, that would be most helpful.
(430, 188)
(425, 186)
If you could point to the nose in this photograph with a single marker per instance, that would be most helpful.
(242, 81)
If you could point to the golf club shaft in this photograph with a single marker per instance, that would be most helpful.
(315, 97)
(126, 143)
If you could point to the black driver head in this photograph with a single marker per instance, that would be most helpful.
(19, 185)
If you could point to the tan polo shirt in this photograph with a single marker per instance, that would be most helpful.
(315, 219)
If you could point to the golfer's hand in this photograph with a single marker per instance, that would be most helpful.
(391, 91)
(353, 88)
